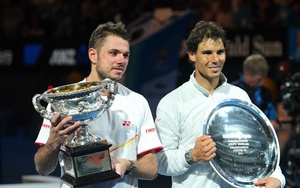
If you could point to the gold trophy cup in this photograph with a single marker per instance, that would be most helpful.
(86, 157)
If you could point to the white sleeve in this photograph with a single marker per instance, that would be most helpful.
(171, 161)
(44, 132)
(149, 139)
(278, 174)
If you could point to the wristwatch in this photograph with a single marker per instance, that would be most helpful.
(188, 157)
(131, 168)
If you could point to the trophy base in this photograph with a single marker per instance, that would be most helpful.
(87, 164)
(88, 180)
(76, 150)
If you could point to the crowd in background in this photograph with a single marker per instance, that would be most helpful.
(73, 18)
(67, 18)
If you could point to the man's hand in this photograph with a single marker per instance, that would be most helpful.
(120, 165)
(204, 149)
(46, 157)
(268, 182)
(61, 130)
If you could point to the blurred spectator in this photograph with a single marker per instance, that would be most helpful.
(286, 15)
(255, 70)
(264, 15)
(241, 14)
(12, 17)
(224, 15)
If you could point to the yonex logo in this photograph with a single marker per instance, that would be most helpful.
(126, 123)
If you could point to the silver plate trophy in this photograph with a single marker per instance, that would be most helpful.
(247, 145)
(86, 157)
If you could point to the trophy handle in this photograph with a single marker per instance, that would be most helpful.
(36, 101)
(112, 90)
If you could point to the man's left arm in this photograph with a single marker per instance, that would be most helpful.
(276, 180)
(146, 166)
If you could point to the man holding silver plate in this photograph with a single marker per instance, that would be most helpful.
(100, 132)
(213, 136)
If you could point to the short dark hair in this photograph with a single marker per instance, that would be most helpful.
(202, 31)
(105, 30)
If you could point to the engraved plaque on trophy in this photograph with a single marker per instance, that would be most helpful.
(247, 145)
(85, 156)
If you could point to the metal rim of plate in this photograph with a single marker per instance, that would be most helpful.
(247, 145)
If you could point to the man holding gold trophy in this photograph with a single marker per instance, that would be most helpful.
(101, 133)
